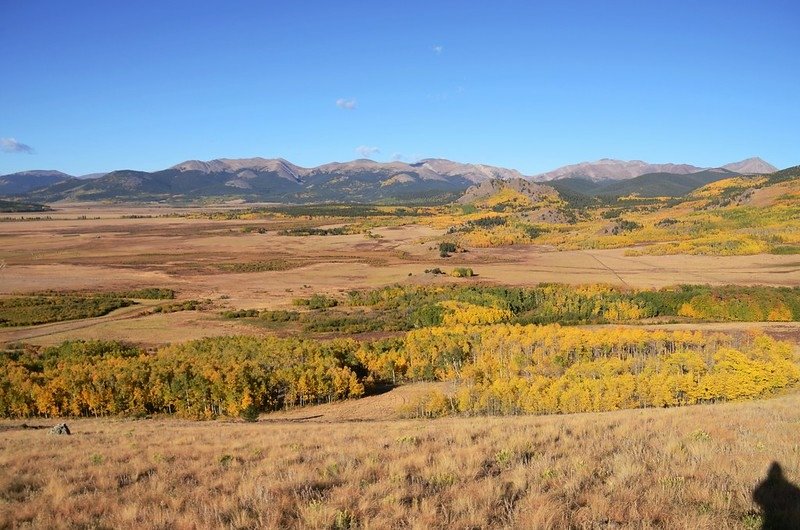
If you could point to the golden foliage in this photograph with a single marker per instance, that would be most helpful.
(199, 379)
(471, 314)
(511, 369)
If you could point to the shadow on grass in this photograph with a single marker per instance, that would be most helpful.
(23, 427)
(377, 390)
(779, 500)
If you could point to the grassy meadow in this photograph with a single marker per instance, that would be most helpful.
(693, 467)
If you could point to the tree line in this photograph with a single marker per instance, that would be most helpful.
(498, 368)
(512, 369)
(199, 379)
(586, 304)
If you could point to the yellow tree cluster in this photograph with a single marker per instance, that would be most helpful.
(471, 314)
(719, 244)
(508, 369)
(499, 368)
(513, 232)
(744, 307)
(588, 301)
(201, 379)
(507, 197)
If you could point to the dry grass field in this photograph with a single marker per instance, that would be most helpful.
(101, 248)
(694, 467)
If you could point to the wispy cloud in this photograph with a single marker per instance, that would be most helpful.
(11, 145)
(346, 103)
(438, 49)
(365, 151)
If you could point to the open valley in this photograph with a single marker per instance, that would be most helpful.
(400, 265)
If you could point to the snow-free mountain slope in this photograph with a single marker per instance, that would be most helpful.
(25, 181)
(751, 166)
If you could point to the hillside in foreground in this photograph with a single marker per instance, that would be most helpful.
(696, 467)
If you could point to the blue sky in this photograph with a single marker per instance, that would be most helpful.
(96, 86)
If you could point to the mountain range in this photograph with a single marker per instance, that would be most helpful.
(609, 169)
(648, 185)
(363, 180)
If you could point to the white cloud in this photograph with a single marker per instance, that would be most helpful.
(346, 103)
(11, 145)
(438, 49)
(365, 151)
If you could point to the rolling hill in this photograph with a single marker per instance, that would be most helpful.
(648, 185)
(25, 181)
(519, 189)
(790, 173)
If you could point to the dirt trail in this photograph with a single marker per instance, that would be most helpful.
(609, 269)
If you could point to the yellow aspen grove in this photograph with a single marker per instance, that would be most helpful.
(497, 367)
(516, 369)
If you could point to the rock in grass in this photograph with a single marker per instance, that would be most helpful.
(60, 429)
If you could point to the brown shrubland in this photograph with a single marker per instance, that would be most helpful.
(691, 467)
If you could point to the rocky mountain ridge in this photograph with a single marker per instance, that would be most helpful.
(278, 180)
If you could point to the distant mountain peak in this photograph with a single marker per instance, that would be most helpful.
(41, 173)
(25, 181)
(751, 166)
(276, 179)
(254, 165)
(611, 169)
(229, 164)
